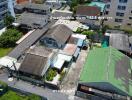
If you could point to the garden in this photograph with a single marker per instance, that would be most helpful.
(54, 77)
(8, 40)
(9, 37)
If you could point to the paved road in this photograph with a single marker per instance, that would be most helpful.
(48, 93)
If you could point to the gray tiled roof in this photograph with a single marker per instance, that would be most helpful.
(120, 42)
(35, 60)
(60, 32)
(37, 6)
(33, 64)
(30, 19)
(61, 14)
(26, 43)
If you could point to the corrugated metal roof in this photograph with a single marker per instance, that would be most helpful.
(108, 65)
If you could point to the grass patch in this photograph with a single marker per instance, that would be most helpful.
(11, 95)
(4, 51)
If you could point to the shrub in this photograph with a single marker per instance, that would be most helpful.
(4, 86)
(51, 74)
(88, 33)
(62, 74)
(9, 38)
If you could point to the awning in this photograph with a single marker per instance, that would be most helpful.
(59, 63)
(65, 57)
(80, 36)
(76, 52)
(7, 61)
(80, 43)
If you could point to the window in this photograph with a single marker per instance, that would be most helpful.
(107, 12)
(108, 6)
(129, 24)
(118, 20)
(130, 17)
(121, 7)
(123, 1)
(119, 14)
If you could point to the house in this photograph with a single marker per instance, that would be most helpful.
(32, 21)
(37, 8)
(33, 8)
(118, 39)
(37, 61)
(92, 24)
(66, 56)
(73, 25)
(71, 50)
(120, 42)
(88, 11)
(57, 36)
(78, 39)
(106, 75)
(30, 40)
(101, 5)
(58, 14)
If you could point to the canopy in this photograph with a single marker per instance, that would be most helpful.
(59, 63)
(7, 61)
(65, 57)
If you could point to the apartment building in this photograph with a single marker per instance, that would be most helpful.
(121, 13)
(6, 6)
(3, 11)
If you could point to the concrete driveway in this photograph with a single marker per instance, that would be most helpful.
(71, 80)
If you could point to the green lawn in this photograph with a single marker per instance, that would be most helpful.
(11, 95)
(4, 51)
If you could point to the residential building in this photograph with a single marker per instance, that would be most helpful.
(19, 50)
(32, 21)
(11, 4)
(122, 44)
(57, 36)
(6, 6)
(106, 76)
(123, 40)
(37, 8)
(3, 11)
(33, 8)
(88, 11)
(121, 13)
(98, 4)
(37, 61)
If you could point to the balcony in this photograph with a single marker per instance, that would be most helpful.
(2, 2)
(3, 10)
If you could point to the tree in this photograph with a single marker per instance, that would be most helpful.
(73, 4)
(9, 38)
(8, 20)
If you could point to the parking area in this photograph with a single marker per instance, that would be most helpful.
(70, 81)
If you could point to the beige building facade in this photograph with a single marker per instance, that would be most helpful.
(120, 12)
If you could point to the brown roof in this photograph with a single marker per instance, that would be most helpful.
(88, 10)
(73, 40)
(60, 33)
(69, 49)
(35, 61)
